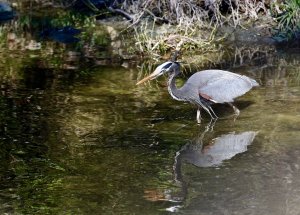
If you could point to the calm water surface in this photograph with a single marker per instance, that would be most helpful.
(77, 143)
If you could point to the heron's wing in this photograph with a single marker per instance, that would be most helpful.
(227, 146)
(227, 87)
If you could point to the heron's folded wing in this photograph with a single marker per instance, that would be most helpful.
(227, 88)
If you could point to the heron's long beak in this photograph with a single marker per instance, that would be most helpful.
(149, 77)
(152, 76)
(160, 70)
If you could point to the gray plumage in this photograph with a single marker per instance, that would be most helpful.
(222, 86)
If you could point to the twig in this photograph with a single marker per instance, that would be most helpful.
(177, 50)
(122, 12)
(156, 18)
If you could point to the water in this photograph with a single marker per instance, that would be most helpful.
(77, 138)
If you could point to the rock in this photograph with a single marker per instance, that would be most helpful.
(6, 12)
(62, 35)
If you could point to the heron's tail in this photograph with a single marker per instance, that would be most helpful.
(254, 83)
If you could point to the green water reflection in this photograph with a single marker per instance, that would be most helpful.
(99, 144)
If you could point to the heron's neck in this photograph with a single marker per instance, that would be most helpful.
(173, 90)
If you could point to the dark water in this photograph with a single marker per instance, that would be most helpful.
(77, 138)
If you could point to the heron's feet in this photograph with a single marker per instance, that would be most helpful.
(213, 116)
(198, 116)
(236, 110)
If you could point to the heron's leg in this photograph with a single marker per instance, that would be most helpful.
(211, 124)
(198, 116)
(210, 108)
(207, 110)
(235, 109)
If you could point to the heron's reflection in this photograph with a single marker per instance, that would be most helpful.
(221, 148)
(198, 153)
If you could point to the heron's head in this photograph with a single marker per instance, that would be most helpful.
(164, 68)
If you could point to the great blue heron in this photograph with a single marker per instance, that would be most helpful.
(204, 88)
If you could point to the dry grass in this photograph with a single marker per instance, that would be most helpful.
(200, 13)
(192, 21)
(159, 40)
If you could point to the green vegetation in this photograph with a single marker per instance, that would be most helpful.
(288, 19)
